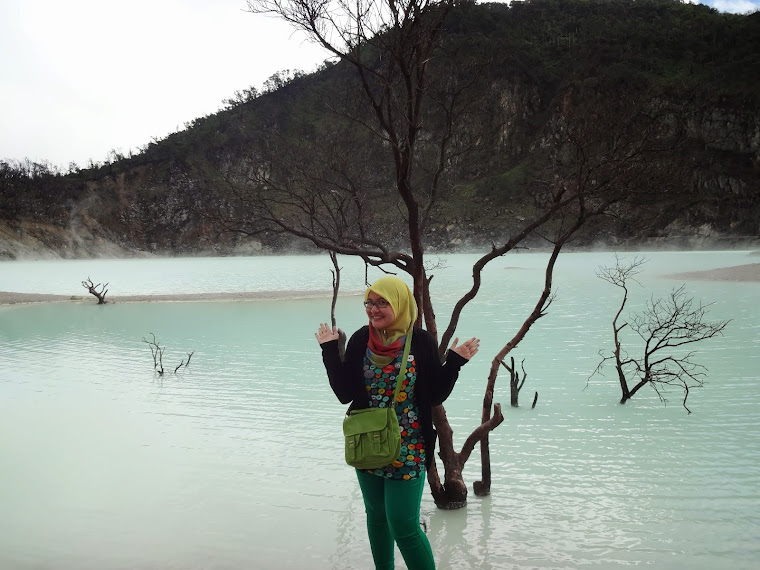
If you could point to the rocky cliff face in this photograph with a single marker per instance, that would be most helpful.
(159, 208)
(729, 179)
(524, 58)
(165, 202)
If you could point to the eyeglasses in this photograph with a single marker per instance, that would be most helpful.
(380, 304)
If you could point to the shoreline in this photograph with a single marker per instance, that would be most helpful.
(749, 272)
(739, 273)
(12, 298)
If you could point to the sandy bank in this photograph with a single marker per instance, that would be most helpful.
(749, 272)
(9, 298)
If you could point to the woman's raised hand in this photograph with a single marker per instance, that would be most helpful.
(468, 349)
(326, 333)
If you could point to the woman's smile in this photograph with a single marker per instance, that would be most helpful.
(380, 313)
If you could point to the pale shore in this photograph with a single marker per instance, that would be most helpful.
(9, 298)
(749, 272)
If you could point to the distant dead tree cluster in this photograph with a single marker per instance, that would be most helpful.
(157, 351)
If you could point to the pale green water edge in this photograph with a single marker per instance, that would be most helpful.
(105, 466)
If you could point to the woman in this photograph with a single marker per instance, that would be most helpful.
(367, 378)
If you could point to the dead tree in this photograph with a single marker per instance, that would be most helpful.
(366, 181)
(515, 381)
(184, 362)
(158, 356)
(668, 327)
(93, 290)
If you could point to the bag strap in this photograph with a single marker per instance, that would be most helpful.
(402, 370)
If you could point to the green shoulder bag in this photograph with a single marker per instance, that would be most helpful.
(372, 435)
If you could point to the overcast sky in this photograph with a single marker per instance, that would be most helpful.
(82, 77)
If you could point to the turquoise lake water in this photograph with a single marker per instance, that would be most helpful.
(105, 465)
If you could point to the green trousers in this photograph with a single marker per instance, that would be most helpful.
(393, 515)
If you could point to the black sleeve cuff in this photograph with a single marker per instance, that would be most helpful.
(456, 359)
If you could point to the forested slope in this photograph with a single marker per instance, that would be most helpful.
(535, 62)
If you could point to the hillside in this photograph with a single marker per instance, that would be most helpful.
(534, 63)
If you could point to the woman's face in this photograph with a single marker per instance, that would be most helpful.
(380, 318)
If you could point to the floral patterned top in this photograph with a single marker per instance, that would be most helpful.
(380, 383)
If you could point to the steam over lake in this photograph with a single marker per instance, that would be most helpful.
(235, 461)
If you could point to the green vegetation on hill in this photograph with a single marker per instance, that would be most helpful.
(646, 44)
(692, 56)
(685, 50)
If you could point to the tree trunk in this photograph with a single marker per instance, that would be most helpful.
(452, 493)
(483, 487)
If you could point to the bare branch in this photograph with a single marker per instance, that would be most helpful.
(158, 354)
(480, 433)
(664, 326)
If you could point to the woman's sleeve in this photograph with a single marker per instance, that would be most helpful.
(343, 375)
(442, 376)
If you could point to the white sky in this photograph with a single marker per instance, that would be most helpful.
(82, 77)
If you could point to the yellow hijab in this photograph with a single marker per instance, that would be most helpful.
(401, 300)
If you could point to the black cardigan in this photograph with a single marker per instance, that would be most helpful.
(434, 382)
